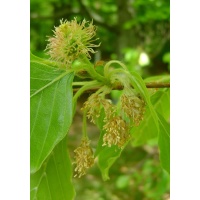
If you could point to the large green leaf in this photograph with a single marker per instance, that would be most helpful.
(147, 129)
(54, 179)
(43, 75)
(164, 143)
(51, 110)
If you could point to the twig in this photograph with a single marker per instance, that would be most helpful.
(148, 85)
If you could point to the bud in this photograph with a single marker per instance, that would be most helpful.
(71, 40)
(116, 132)
(84, 157)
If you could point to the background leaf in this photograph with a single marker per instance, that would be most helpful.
(147, 129)
(53, 180)
(164, 143)
(51, 110)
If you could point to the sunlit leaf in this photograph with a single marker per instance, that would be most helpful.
(48, 62)
(51, 110)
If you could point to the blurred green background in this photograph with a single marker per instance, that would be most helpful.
(137, 32)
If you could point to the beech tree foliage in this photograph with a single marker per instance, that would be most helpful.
(137, 116)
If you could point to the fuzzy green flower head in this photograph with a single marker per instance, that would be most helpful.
(71, 39)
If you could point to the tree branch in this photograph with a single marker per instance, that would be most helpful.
(120, 87)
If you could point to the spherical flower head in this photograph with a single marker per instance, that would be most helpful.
(116, 132)
(84, 157)
(70, 40)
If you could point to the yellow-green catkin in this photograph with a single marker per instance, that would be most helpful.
(134, 107)
(116, 132)
(84, 158)
(93, 107)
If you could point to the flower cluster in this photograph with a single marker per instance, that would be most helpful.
(134, 107)
(70, 40)
(116, 125)
(116, 132)
(84, 157)
(93, 107)
(116, 129)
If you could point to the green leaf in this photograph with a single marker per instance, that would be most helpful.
(51, 110)
(164, 143)
(43, 76)
(106, 158)
(54, 179)
(34, 58)
(161, 102)
(147, 129)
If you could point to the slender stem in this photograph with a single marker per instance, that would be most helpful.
(106, 71)
(84, 128)
(96, 75)
(89, 86)
(79, 83)
(86, 65)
